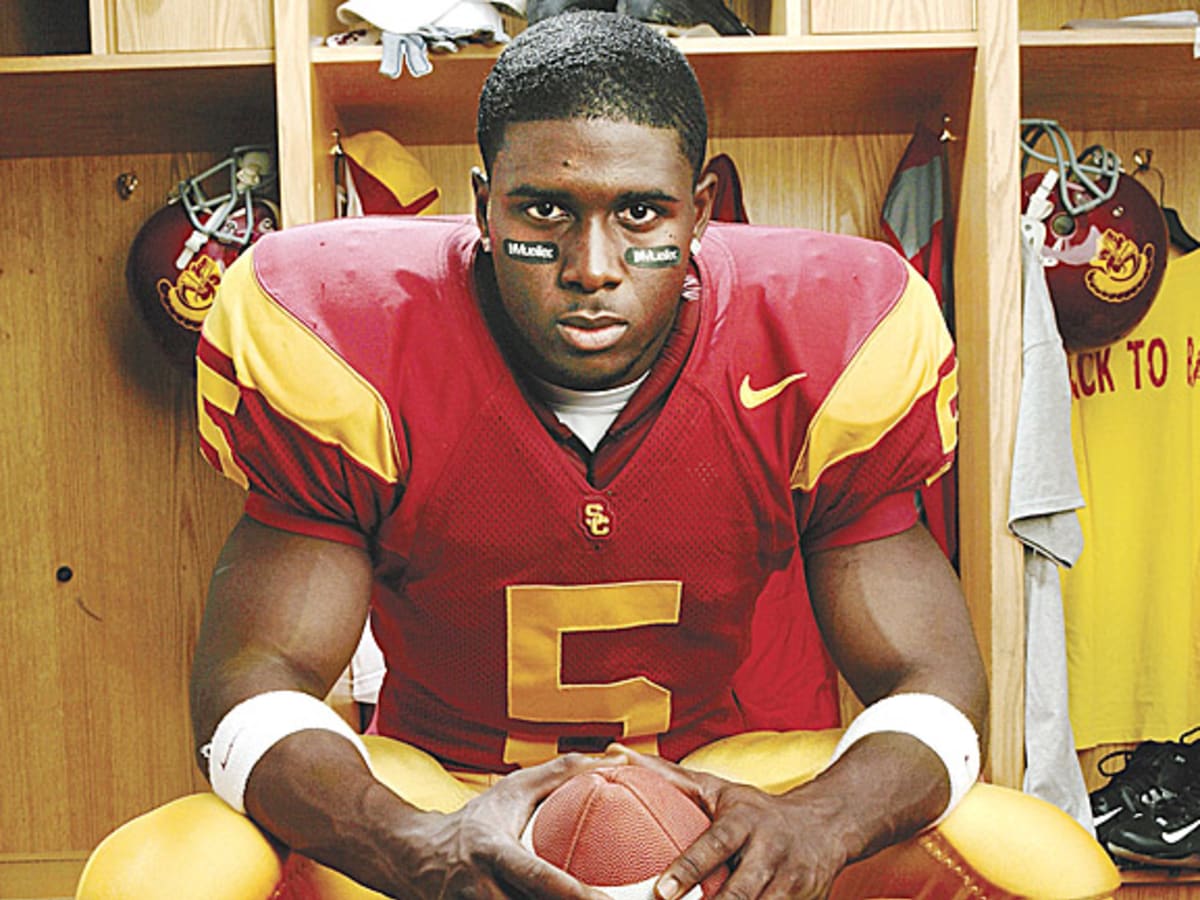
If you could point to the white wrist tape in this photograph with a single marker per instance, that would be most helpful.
(936, 723)
(256, 725)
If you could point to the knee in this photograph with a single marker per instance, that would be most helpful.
(1028, 846)
(193, 848)
(997, 842)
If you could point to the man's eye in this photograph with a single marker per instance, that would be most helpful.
(639, 214)
(545, 211)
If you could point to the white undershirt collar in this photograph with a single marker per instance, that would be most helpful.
(587, 413)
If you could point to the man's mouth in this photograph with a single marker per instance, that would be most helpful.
(592, 332)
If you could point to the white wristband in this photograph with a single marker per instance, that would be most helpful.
(256, 725)
(936, 723)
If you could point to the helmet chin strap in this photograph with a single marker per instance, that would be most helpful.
(202, 233)
(1039, 205)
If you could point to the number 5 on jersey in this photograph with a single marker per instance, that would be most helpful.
(538, 617)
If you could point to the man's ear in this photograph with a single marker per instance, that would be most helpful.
(704, 197)
(482, 190)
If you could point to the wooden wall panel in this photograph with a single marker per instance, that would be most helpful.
(831, 183)
(296, 141)
(450, 167)
(102, 477)
(858, 16)
(161, 25)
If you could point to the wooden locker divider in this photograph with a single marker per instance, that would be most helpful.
(988, 316)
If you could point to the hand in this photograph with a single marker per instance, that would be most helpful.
(476, 851)
(776, 846)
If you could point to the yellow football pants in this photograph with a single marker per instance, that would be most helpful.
(999, 844)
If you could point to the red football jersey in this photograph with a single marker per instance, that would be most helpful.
(348, 379)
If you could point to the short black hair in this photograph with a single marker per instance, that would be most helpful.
(593, 65)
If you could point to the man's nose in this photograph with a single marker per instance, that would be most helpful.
(592, 258)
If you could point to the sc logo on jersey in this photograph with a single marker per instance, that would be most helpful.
(595, 515)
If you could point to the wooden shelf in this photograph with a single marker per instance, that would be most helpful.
(1129, 78)
(871, 84)
(111, 62)
(90, 104)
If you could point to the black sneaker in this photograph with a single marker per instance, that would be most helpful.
(1153, 771)
(1167, 835)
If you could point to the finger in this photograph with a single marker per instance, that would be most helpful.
(713, 848)
(544, 778)
(771, 875)
(619, 754)
(751, 878)
(525, 874)
(515, 796)
(702, 788)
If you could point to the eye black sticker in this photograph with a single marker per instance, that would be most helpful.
(537, 252)
(654, 257)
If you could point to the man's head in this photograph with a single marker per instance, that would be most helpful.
(593, 65)
(593, 131)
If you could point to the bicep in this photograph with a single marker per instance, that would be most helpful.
(284, 612)
(894, 619)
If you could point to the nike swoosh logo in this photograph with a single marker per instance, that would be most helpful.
(229, 751)
(752, 398)
(1104, 817)
(1174, 837)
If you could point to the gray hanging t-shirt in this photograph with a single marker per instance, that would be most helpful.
(1043, 497)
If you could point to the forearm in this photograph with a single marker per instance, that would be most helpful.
(315, 794)
(894, 618)
(312, 789)
(883, 790)
(284, 615)
(908, 758)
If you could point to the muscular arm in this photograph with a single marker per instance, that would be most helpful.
(285, 612)
(893, 616)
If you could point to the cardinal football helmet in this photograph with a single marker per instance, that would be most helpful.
(181, 252)
(1105, 251)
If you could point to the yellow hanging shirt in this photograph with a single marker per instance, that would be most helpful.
(1131, 602)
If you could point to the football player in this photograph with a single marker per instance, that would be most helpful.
(608, 481)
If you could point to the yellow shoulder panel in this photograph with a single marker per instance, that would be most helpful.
(296, 372)
(896, 365)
